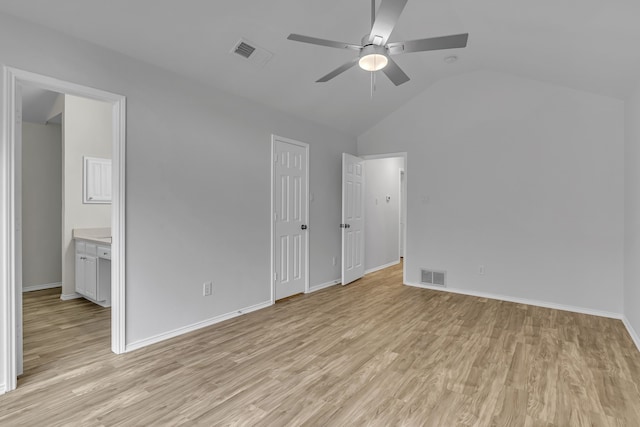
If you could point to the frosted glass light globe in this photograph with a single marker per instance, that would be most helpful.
(373, 62)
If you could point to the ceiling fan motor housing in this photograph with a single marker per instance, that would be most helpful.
(373, 50)
(369, 39)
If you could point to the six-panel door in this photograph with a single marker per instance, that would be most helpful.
(290, 215)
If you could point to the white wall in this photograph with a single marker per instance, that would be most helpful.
(632, 213)
(41, 204)
(382, 218)
(520, 176)
(198, 194)
(87, 132)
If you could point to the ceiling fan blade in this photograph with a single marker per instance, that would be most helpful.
(341, 69)
(395, 73)
(386, 19)
(433, 43)
(323, 42)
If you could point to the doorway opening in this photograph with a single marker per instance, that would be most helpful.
(12, 232)
(382, 202)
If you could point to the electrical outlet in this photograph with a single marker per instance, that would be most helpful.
(481, 270)
(207, 289)
(334, 261)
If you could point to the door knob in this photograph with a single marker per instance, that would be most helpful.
(303, 227)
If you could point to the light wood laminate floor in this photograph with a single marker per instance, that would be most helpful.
(372, 353)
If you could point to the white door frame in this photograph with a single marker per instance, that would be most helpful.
(406, 226)
(272, 278)
(9, 200)
(403, 209)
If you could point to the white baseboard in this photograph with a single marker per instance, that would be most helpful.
(323, 285)
(381, 267)
(526, 301)
(634, 335)
(193, 327)
(41, 287)
(67, 297)
(3, 389)
(337, 281)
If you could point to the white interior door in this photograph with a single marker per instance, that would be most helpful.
(290, 207)
(18, 235)
(352, 218)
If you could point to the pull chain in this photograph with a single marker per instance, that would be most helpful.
(373, 83)
(372, 73)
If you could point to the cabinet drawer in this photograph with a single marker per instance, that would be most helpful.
(91, 249)
(104, 252)
(80, 247)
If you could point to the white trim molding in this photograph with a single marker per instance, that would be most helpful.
(384, 156)
(67, 297)
(9, 286)
(321, 286)
(632, 332)
(41, 287)
(195, 326)
(526, 301)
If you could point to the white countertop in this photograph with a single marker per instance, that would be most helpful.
(96, 235)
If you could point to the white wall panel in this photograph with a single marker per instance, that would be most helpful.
(521, 177)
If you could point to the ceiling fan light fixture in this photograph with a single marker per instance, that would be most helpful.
(373, 58)
(373, 62)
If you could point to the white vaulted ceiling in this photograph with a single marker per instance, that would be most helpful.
(589, 45)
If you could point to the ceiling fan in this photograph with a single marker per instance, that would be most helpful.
(375, 52)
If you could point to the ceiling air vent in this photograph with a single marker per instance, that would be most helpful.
(433, 277)
(251, 52)
(244, 49)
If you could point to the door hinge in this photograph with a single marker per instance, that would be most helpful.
(275, 277)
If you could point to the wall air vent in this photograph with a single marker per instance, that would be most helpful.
(433, 277)
(251, 52)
